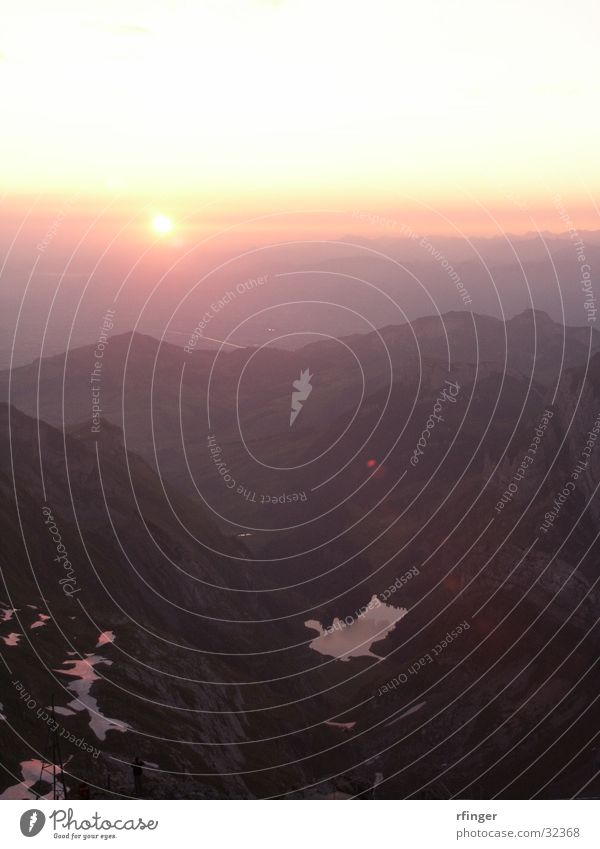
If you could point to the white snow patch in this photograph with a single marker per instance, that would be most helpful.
(63, 711)
(83, 671)
(41, 621)
(344, 641)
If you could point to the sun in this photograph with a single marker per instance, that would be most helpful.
(162, 224)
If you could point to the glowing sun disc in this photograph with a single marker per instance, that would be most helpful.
(162, 224)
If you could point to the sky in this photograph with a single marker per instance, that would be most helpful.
(309, 106)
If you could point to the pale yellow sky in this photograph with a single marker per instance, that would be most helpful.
(318, 101)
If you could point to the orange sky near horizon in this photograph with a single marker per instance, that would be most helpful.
(223, 226)
(441, 117)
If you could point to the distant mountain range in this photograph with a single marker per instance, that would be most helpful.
(338, 287)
